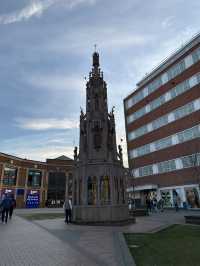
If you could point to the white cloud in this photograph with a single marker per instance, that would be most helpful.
(57, 82)
(168, 22)
(33, 9)
(37, 7)
(46, 124)
(108, 38)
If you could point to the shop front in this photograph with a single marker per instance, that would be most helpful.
(187, 196)
(141, 193)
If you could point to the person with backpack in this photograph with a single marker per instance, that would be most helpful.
(5, 204)
(68, 210)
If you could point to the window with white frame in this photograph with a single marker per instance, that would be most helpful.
(141, 131)
(183, 111)
(157, 102)
(146, 170)
(154, 85)
(163, 143)
(166, 166)
(143, 150)
(163, 120)
(196, 55)
(181, 88)
(188, 161)
(189, 134)
(176, 70)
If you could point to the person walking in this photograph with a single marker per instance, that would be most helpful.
(177, 203)
(68, 210)
(148, 204)
(12, 207)
(5, 204)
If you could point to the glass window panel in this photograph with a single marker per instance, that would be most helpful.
(10, 176)
(188, 161)
(139, 113)
(176, 70)
(154, 85)
(183, 111)
(166, 166)
(158, 102)
(143, 150)
(146, 170)
(196, 55)
(181, 88)
(163, 143)
(34, 178)
(163, 120)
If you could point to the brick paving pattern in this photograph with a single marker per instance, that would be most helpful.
(53, 243)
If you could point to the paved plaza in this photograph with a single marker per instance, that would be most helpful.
(52, 242)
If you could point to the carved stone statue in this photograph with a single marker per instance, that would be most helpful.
(75, 153)
(120, 153)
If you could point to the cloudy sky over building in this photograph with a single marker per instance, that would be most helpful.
(45, 55)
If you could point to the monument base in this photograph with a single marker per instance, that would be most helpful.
(101, 215)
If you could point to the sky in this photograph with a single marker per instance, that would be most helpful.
(46, 51)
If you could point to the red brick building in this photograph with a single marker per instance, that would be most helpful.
(34, 184)
(163, 130)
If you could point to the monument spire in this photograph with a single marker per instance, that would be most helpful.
(98, 166)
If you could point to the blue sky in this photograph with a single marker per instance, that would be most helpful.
(45, 53)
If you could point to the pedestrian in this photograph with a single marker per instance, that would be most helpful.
(155, 204)
(5, 204)
(161, 204)
(68, 210)
(177, 203)
(148, 204)
(12, 207)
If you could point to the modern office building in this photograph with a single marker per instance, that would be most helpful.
(163, 130)
(35, 184)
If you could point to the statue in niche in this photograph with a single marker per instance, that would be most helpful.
(82, 113)
(120, 153)
(75, 154)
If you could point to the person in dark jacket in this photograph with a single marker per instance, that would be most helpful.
(12, 207)
(5, 204)
(68, 210)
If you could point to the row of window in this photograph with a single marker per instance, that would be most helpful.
(174, 92)
(10, 177)
(192, 160)
(188, 134)
(167, 118)
(164, 78)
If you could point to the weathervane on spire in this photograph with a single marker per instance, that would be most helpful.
(95, 47)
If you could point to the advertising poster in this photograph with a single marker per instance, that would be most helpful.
(33, 199)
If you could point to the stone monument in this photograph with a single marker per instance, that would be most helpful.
(99, 184)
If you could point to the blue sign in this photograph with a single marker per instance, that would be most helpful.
(33, 200)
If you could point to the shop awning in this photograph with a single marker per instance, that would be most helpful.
(146, 187)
